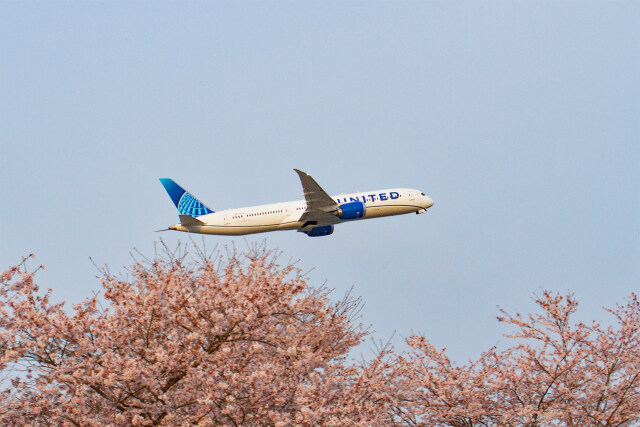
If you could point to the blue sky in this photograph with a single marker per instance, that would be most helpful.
(520, 119)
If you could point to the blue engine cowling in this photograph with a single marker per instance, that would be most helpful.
(352, 210)
(323, 230)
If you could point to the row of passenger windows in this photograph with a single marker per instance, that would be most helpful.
(258, 214)
(265, 213)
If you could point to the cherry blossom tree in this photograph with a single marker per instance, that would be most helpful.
(224, 340)
(557, 373)
(237, 339)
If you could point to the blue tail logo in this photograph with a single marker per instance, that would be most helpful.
(184, 201)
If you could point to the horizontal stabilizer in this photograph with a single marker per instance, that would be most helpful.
(187, 220)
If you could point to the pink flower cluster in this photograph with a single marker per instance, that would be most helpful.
(241, 340)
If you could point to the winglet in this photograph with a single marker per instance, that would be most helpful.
(184, 201)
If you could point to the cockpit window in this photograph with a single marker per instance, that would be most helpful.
(423, 194)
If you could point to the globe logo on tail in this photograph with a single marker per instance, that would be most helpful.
(189, 205)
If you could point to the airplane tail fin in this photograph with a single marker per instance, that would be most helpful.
(184, 201)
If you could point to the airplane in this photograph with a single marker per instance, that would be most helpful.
(315, 216)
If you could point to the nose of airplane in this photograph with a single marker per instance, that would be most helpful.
(429, 202)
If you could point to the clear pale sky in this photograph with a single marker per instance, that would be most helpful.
(521, 120)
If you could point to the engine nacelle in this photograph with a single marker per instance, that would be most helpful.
(323, 230)
(351, 210)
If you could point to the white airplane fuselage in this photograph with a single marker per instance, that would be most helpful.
(287, 215)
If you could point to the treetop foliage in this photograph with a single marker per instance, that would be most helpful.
(238, 339)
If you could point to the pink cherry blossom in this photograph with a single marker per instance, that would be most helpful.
(241, 340)
(556, 373)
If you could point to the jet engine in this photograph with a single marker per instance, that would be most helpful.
(323, 230)
(351, 210)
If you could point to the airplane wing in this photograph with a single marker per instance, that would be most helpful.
(320, 206)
